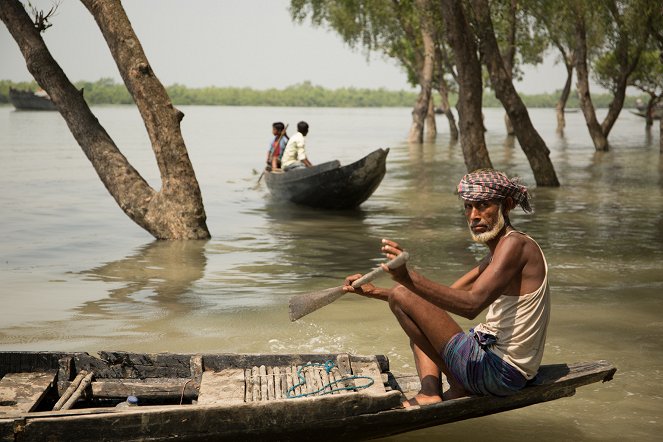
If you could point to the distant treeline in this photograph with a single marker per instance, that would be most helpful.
(107, 91)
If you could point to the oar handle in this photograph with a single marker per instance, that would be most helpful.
(370, 276)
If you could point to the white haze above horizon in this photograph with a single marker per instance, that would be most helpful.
(252, 43)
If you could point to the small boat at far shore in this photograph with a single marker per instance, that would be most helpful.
(28, 100)
(330, 185)
(656, 112)
(120, 396)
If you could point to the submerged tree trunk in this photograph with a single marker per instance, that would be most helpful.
(174, 212)
(470, 86)
(564, 97)
(431, 124)
(441, 60)
(510, 55)
(446, 109)
(530, 141)
(649, 112)
(425, 75)
(595, 132)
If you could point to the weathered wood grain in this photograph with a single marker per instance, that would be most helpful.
(222, 387)
(161, 389)
(370, 370)
(22, 392)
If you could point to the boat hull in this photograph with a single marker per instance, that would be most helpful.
(27, 100)
(330, 185)
(221, 397)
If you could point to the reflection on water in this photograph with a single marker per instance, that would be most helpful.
(77, 275)
(160, 272)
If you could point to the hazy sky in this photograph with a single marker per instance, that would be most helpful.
(247, 43)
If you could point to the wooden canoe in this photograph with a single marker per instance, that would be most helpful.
(28, 100)
(237, 396)
(330, 185)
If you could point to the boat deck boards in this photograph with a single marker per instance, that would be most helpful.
(22, 392)
(273, 382)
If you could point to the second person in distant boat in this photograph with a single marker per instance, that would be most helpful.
(294, 156)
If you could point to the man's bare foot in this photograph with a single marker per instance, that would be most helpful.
(422, 399)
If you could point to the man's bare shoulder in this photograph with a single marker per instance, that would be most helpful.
(519, 246)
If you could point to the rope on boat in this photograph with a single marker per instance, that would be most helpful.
(327, 366)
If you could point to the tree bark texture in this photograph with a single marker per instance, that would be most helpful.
(425, 74)
(582, 72)
(176, 212)
(529, 139)
(470, 86)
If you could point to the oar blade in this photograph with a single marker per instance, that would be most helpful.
(302, 305)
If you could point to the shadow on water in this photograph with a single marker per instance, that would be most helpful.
(160, 271)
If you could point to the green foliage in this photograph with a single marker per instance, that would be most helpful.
(106, 91)
(648, 75)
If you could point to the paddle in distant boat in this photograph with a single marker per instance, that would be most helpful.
(330, 185)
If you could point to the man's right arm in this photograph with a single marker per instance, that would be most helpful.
(466, 281)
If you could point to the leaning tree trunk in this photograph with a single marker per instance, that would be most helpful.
(529, 139)
(470, 86)
(563, 98)
(176, 211)
(425, 74)
(510, 55)
(446, 109)
(431, 124)
(649, 112)
(443, 88)
(582, 72)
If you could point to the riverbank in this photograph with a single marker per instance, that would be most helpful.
(106, 91)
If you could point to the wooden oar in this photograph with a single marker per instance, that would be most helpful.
(302, 305)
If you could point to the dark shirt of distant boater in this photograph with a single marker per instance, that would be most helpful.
(277, 146)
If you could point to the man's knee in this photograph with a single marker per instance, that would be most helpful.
(398, 298)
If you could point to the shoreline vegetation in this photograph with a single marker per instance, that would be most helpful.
(107, 91)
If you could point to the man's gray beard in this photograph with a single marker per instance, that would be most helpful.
(484, 237)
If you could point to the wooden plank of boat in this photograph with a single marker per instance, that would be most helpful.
(22, 392)
(328, 185)
(354, 416)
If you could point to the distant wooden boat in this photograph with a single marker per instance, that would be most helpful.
(330, 185)
(28, 100)
(237, 396)
(656, 111)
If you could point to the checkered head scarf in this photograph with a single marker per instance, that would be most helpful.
(489, 184)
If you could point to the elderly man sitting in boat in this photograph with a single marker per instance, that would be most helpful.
(294, 156)
(498, 356)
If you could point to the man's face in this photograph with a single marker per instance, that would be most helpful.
(485, 219)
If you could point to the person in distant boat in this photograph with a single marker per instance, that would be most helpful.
(294, 156)
(498, 356)
(277, 146)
